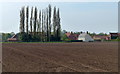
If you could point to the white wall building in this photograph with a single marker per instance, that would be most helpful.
(85, 37)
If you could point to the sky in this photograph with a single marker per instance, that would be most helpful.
(75, 16)
(59, 0)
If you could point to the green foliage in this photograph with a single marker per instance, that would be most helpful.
(92, 34)
(49, 21)
(31, 21)
(27, 16)
(38, 42)
(40, 27)
(5, 36)
(23, 37)
(118, 39)
(65, 38)
(102, 34)
(56, 25)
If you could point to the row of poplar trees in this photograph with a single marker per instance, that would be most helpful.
(40, 25)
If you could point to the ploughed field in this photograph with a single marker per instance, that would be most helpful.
(60, 57)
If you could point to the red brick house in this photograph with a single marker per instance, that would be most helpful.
(101, 37)
(72, 36)
(114, 35)
(13, 38)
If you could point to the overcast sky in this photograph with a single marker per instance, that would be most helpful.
(75, 16)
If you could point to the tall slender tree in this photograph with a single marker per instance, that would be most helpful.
(23, 19)
(22, 24)
(44, 25)
(40, 26)
(21, 29)
(54, 23)
(39, 22)
(58, 25)
(27, 17)
(49, 18)
(35, 20)
(31, 19)
(47, 25)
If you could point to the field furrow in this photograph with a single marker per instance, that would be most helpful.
(60, 57)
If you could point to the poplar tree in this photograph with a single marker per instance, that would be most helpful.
(23, 19)
(49, 21)
(41, 28)
(40, 25)
(44, 25)
(35, 20)
(54, 23)
(27, 17)
(47, 25)
(22, 24)
(58, 26)
(21, 29)
(31, 20)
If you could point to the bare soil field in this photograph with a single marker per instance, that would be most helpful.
(60, 57)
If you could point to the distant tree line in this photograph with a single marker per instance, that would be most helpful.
(40, 25)
(5, 36)
(65, 38)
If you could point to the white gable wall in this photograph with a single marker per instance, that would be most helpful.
(81, 39)
(85, 37)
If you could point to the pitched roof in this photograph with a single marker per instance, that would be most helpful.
(100, 37)
(115, 34)
(13, 38)
(85, 37)
(83, 34)
(72, 36)
(68, 34)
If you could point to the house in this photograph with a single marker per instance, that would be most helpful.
(101, 37)
(72, 36)
(85, 37)
(114, 35)
(14, 38)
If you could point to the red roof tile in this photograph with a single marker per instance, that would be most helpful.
(12, 39)
(72, 36)
(68, 33)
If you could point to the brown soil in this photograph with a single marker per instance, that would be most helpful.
(60, 57)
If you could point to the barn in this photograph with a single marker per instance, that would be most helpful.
(85, 37)
(14, 38)
(101, 37)
(72, 36)
(114, 35)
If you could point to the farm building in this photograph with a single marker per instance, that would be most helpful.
(101, 37)
(85, 37)
(14, 38)
(114, 35)
(72, 36)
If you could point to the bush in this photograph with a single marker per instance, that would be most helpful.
(65, 38)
